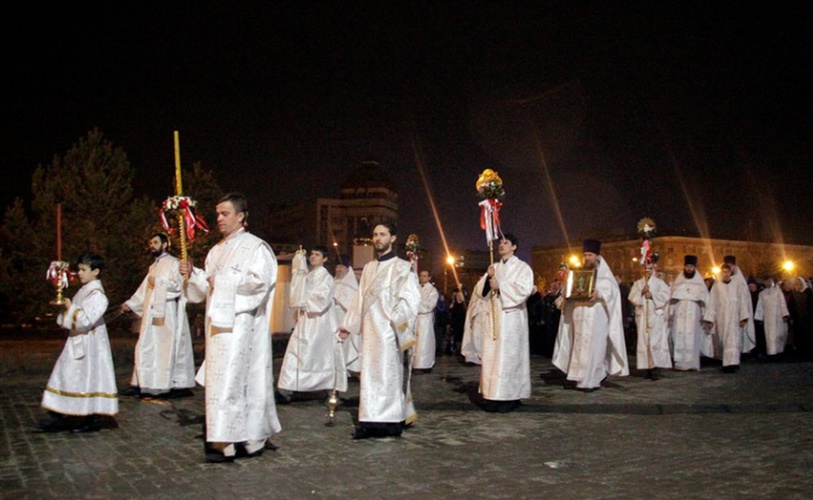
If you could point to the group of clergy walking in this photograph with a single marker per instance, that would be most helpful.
(374, 328)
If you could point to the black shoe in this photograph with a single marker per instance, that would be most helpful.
(242, 453)
(91, 423)
(215, 457)
(654, 374)
(729, 369)
(280, 398)
(177, 393)
(132, 391)
(361, 432)
(52, 423)
(270, 446)
(507, 406)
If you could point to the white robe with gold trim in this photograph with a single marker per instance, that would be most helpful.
(83, 381)
(687, 305)
(478, 325)
(384, 313)
(345, 292)
(163, 354)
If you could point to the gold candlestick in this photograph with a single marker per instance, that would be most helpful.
(56, 273)
(332, 404)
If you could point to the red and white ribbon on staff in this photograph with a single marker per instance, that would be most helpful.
(490, 218)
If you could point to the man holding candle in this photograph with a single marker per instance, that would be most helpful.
(238, 285)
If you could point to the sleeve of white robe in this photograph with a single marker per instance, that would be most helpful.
(198, 286)
(430, 301)
(136, 302)
(352, 319)
(172, 281)
(636, 297)
(516, 290)
(405, 312)
(759, 311)
(320, 296)
(258, 279)
(84, 317)
(660, 296)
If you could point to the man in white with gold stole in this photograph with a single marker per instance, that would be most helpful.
(687, 305)
(505, 376)
(590, 343)
(772, 311)
(650, 297)
(163, 354)
(308, 364)
(424, 355)
(238, 285)
(383, 313)
(346, 288)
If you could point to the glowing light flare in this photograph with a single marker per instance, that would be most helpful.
(788, 265)
(715, 270)
(431, 198)
(450, 260)
(574, 261)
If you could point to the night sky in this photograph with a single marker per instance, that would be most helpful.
(631, 109)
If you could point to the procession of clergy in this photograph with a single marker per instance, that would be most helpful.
(374, 328)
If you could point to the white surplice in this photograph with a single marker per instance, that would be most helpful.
(238, 371)
(590, 343)
(83, 381)
(345, 292)
(478, 325)
(308, 364)
(163, 354)
(506, 365)
(687, 304)
(727, 308)
(652, 349)
(384, 313)
(772, 310)
(424, 356)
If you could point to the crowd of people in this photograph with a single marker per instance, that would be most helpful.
(392, 322)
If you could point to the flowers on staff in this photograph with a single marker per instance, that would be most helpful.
(489, 185)
(59, 273)
(646, 227)
(413, 244)
(191, 221)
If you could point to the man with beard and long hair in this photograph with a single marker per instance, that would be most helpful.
(687, 304)
(164, 362)
(384, 313)
(590, 344)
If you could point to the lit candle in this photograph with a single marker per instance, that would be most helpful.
(59, 231)
(178, 184)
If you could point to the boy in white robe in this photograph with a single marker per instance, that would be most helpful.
(346, 287)
(772, 311)
(424, 355)
(83, 382)
(308, 364)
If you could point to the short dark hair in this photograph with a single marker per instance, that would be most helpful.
(512, 238)
(389, 225)
(321, 249)
(726, 266)
(162, 237)
(92, 260)
(238, 200)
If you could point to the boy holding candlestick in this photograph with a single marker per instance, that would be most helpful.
(83, 382)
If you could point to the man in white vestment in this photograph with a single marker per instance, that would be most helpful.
(477, 325)
(772, 311)
(688, 302)
(749, 332)
(590, 343)
(238, 285)
(308, 364)
(384, 314)
(650, 297)
(164, 361)
(83, 381)
(505, 376)
(424, 350)
(729, 312)
(346, 287)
